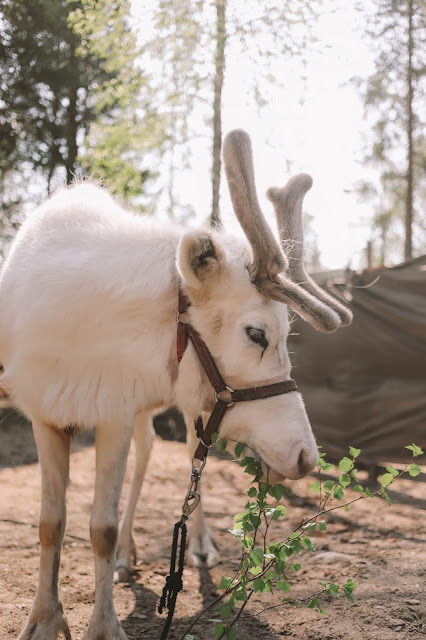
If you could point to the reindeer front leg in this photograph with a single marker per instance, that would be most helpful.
(47, 617)
(143, 436)
(112, 447)
(201, 548)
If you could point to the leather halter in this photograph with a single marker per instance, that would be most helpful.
(225, 396)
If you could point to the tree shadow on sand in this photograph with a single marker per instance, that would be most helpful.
(145, 621)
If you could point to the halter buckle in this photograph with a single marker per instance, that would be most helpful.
(192, 495)
(227, 399)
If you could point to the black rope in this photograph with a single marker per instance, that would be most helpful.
(174, 580)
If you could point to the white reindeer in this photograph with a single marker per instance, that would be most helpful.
(88, 301)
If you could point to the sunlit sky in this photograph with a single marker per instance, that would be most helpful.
(315, 126)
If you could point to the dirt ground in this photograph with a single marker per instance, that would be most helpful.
(382, 549)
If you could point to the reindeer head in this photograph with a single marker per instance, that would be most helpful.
(240, 294)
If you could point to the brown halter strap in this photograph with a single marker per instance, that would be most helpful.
(225, 396)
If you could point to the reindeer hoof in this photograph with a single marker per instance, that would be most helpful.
(46, 630)
(113, 631)
(202, 552)
(122, 574)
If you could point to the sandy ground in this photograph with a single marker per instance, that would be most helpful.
(383, 549)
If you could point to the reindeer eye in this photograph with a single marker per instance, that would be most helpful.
(257, 336)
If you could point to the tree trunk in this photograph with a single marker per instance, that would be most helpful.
(72, 129)
(217, 107)
(72, 126)
(408, 252)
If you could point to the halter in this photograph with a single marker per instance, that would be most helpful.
(225, 396)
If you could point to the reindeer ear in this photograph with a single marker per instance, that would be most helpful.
(199, 258)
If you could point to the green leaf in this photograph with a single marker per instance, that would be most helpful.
(325, 466)
(252, 492)
(240, 594)
(348, 588)
(332, 589)
(338, 493)
(239, 516)
(354, 452)
(230, 633)
(415, 449)
(255, 571)
(345, 464)
(247, 542)
(247, 460)
(392, 470)
(414, 470)
(308, 543)
(277, 491)
(221, 444)
(225, 610)
(238, 449)
(218, 629)
(215, 436)
(257, 556)
(345, 480)
(314, 603)
(328, 486)
(280, 511)
(385, 496)
(387, 479)
(252, 469)
(353, 475)
(310, 528)
(225, 582)
(358, 488)
(283, 585)
(322, 525)
(296, 566)
(258, 585)
(315, 487)
(368, 493)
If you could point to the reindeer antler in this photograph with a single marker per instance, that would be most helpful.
(268, 257)
(269, 260)
(288, 202)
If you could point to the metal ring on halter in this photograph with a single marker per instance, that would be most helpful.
(229, 401)
(198, 469)
(207, 446)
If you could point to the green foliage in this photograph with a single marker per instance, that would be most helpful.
(221, 444)
(394, 101)
(126, 129)
(268, 566)
(72, 99)
(415, 449)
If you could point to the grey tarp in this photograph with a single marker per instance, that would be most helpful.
(365, 385)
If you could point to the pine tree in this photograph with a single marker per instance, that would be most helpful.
(394, 94)
(69, 88)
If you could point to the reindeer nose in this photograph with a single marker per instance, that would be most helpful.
(303, 463)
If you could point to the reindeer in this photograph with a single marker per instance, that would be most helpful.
(88, 302)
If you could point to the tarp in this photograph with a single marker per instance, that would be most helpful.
(365, 385)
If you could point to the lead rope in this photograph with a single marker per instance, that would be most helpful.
(174, 579)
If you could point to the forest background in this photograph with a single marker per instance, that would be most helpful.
(139, 94)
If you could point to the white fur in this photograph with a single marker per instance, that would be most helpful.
(88, 301)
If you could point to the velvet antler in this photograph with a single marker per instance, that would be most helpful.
(288, 202)
(268, 257)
